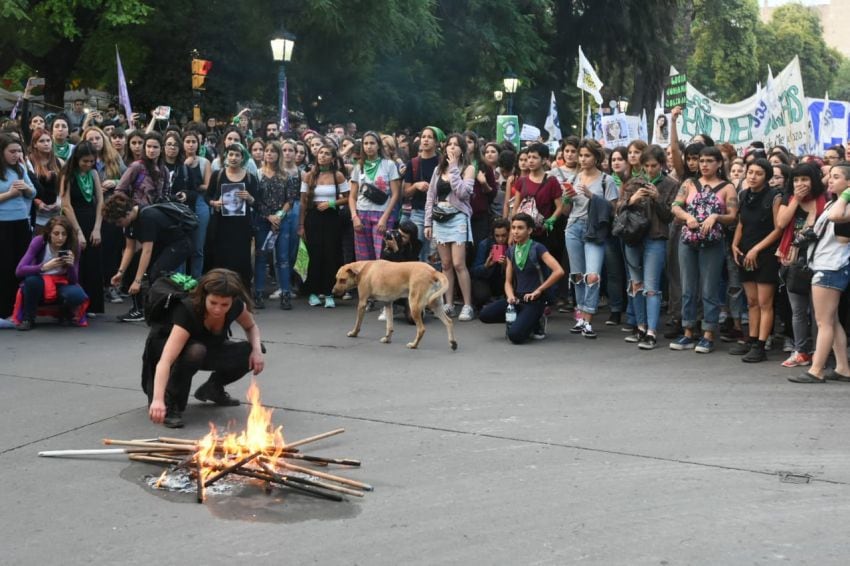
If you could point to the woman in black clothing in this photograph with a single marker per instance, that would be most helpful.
(47, 168)
(230, 235)
(82, 199)
(754, 250)
(198, 341)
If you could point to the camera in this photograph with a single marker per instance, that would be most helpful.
(392, 235)
(807, 236)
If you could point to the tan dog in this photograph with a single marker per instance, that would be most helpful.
(387, 281)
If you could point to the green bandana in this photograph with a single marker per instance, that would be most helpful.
(86, 184)
(371, 168)
(186, 282)
(657, 179)
(62, 151)
(617, 180)
(521, 253)
(324, 168)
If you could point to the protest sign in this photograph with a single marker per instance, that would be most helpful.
(675, 93)
(507, 129)
(616, 130)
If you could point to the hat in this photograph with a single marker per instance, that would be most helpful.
(438, 133)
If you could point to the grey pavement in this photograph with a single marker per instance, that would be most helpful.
(563, 451)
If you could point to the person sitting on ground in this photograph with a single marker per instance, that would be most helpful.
(165, 245)
(402, 245)
(525, 285)
(196, 341)
(488, 269)
(50, 270)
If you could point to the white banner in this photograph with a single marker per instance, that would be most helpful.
(830, 120)
(775, 115)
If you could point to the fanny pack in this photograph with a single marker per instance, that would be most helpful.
(440, 214)
(374, 194)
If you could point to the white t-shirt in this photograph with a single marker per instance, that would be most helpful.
(387, 172)
(326, 193)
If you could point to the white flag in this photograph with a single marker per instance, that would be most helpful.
(643, 129)
(588, 81)
(824, 137)
(588, 124)
(553, 124)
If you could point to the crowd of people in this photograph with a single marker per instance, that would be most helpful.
(692, 243)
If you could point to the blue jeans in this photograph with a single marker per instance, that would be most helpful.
(70, 296)
(199, 238)
(586, 258)
(646, 264)
(701, 270)
(285, 250)
(418, 218)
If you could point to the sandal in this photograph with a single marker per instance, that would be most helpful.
(833, 375)
(807, 378)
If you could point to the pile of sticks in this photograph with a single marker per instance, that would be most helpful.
(277, 471)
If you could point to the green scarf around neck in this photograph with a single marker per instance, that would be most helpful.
(62, 151)
(85, 181)
(521, 253)
(370, 167)
(617, 180)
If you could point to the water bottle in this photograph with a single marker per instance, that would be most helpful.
(510, 314)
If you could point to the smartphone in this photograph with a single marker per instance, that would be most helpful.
(498, 251)
(64, 253)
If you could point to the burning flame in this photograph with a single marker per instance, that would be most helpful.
(216, 452)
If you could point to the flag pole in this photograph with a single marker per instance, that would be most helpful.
(581, 124)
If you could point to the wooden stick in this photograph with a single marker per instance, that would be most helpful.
(227, 469)
(287, 482)
(310, 439)
(153, 459)
(313, 483)
(159, 445)
(200, 479)
(322, 461)
(190, 442)
(331, 477)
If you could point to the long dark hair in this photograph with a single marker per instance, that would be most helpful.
(5, 141)
(154, 168)
(313, 175)
(72, 166)
(814, 175)
(464, 158)
(221, 282)
(714, 152)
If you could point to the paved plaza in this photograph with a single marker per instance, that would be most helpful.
(557, 452)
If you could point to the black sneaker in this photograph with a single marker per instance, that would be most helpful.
(113, 296)
(755, 355)
(577, 328)
(741, 348)
(215, 393)
(648, 342)
(25, 325)
(539, 333)
(635, 337)
(587, 331)
(173, 418)
(285, 302)
(259, 302)
(614, 319)
(134, 315)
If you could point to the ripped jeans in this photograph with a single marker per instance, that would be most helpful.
(586, 259)
(645, 263)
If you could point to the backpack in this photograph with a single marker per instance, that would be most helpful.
(631, 225)
(163, 296)
(182, 215)
(528, 204)
(704, 205)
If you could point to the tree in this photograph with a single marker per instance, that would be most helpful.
(796, 30)
(71, 23)
(724, 63)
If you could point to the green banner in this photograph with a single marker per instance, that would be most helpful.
(507, 128)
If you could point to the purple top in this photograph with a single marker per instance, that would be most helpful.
(30, 264)
(458, 198)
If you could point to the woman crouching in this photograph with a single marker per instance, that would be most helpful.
(198, 341)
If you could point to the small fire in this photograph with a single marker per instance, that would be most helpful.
(260, 435)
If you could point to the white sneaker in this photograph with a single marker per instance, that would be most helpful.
(466, 313)
(275, 296)
(381, 316)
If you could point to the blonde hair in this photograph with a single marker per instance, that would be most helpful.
(112, 162)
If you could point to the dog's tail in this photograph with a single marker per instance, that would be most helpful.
(439, 286)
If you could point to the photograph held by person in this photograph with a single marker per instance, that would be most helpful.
(198, 340)
(165, 244)
(49, 272)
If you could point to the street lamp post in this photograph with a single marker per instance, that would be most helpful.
(282, 46)
(511, 83)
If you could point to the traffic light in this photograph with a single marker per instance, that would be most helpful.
(200, 69)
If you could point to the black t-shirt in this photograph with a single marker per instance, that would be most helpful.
(756, 215)
(424, 173)
(152, 225)
(185, 317)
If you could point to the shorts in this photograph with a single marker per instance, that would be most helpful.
(455, 230)
(838, 279)
(767, 272)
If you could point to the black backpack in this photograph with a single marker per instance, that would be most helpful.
(163, 296)
(181, 214)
